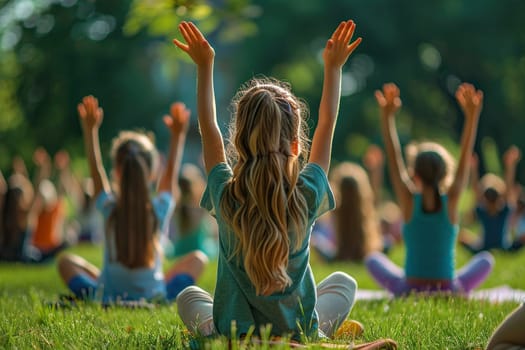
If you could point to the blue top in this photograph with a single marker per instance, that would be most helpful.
(495, 227)
(119, 281)
(430, 240)
(291, 311)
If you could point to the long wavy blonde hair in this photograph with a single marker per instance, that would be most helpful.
(262, 204)
(356, 221)
(132, 221)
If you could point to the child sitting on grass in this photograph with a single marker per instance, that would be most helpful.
(266, 204)
(132, 263)
(495, 204)
(429, 203)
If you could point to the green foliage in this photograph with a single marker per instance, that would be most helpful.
(55, 52)
(490, 156)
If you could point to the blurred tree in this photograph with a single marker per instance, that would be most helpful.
(428, 49)
(55, 51)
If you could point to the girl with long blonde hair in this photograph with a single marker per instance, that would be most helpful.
(266, 203)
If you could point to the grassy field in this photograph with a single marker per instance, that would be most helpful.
(29, 322)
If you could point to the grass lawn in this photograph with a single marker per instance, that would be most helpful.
(415, 323)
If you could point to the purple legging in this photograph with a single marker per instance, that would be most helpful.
(392, 277)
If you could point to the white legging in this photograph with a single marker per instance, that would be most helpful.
(335, 298)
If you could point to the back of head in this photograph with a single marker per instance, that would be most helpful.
(191, 183)
(262, 204)
(492, 187)
(267, 117)
(433, 165)
(133, 222)
(356, 222)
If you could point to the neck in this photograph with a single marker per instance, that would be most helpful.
(429, 202)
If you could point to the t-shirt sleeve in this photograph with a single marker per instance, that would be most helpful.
(163, 206)
(218, 178)
(105, 203)
(317, 190)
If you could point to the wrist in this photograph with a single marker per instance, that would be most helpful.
(205, 66)
(88, 128)
(332, 68)
(472, 115)
(178, 132)
(388, 115)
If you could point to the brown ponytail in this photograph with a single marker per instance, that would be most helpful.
(132, 221)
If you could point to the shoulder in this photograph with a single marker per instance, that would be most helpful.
(163, 198)
(221, 171)
(218, 177)
(313, 184)
(163, 205)
(105, 202)
(313, 175)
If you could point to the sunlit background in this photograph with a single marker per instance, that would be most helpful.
(53, 52)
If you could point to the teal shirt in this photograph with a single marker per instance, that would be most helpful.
(196, 239)
(430, 240)
(289, 312)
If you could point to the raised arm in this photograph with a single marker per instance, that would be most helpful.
(389, 103)
(510, 160)
(203, 55)
(91, 116)
(471, 101)
(177, 124)
(43, 165)
(336, 53)
(68, 184)
(19, 167)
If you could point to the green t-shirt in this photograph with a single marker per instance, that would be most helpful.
(291, 312)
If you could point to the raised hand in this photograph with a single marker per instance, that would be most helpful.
(470, 100)
(338, 47)
(511, 156)
(91, 116)
(61, 159)
(41, 157)
(388, 99)
(19, 166)
(197, 47)
(90, 113)
(179, 117)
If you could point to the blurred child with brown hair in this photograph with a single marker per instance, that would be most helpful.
(135, 220)
(495, 203)
(429, 203)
